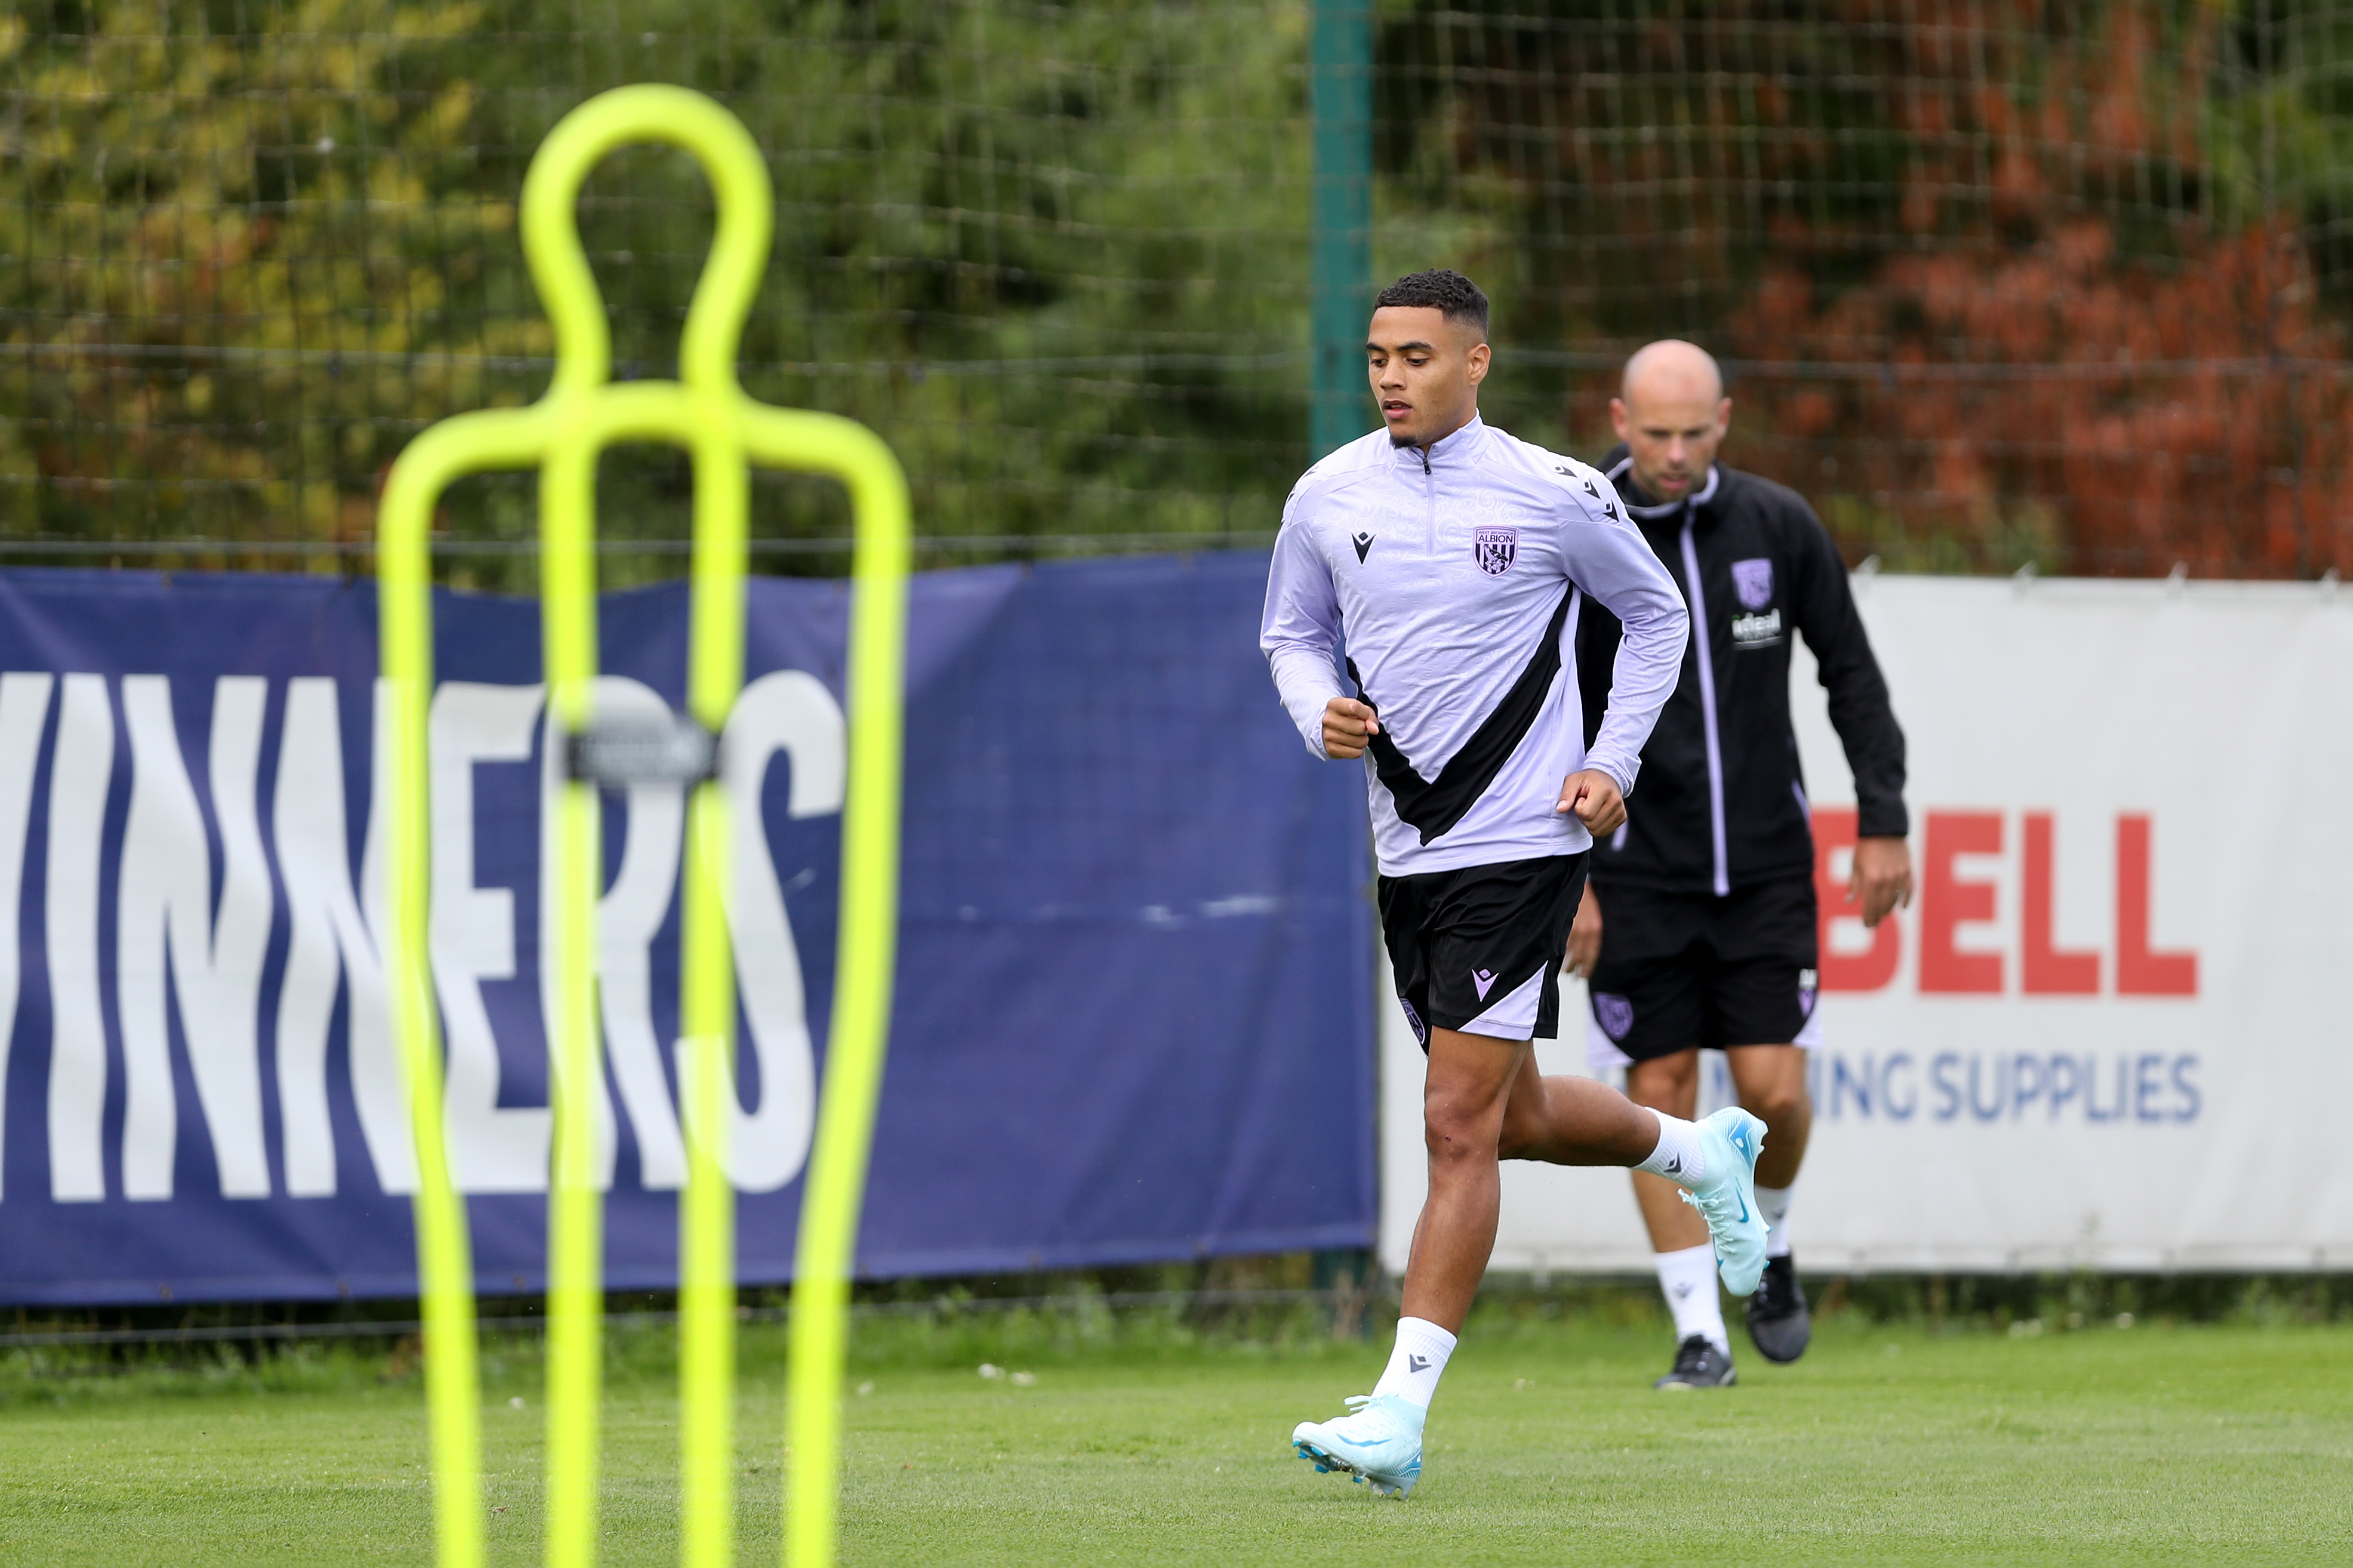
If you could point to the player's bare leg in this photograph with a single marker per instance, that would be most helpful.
(1464, 1097)
(1670, 1086)
(1483, 1100)
(1771, 1081)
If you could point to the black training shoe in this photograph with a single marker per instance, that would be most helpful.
(1779, 1323)
(1699, 1364)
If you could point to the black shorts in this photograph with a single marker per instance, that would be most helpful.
(1680, 970)
(1479, 950)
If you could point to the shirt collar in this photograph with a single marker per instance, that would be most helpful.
(1623, 476)
(1453, 449)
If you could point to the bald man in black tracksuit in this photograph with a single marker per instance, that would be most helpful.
(1698, 927)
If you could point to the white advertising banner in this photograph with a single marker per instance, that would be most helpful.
(2111, 1032)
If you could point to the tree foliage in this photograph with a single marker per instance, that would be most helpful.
(1053, 254)
(2059, 281)
(2003, 281)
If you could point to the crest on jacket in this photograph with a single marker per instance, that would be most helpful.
(1753, 581)
(1493, 548)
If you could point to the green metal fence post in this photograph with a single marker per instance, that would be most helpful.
(1340, 99)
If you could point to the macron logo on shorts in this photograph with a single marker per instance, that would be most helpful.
(1483, 979)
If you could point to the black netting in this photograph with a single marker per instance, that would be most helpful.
(1998, 282)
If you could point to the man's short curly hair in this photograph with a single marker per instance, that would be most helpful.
(1449, 292)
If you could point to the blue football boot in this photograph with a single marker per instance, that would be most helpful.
(1727, 1197)
(1380, 1442)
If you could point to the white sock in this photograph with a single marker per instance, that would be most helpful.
(1773, 1203)
(1679, 1157)
(1421, 1355)
(1687, 1278)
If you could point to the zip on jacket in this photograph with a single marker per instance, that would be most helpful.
(1457, 576)
(1724, 799)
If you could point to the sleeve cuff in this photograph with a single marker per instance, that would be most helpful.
(1883, 822)
(1619, 773)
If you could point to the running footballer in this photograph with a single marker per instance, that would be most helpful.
(1452, 562)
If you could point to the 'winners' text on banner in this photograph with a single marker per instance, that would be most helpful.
(1136, 975)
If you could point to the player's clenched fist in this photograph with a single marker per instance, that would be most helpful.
(1595, 797)
(1349, 727)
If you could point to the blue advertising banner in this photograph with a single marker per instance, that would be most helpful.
(1133, 1015)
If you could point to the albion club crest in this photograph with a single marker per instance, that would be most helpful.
(1493, 548)
(1753, 580)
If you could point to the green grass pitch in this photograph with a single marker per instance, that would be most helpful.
(2221, 1444)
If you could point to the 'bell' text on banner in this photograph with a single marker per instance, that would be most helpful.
(2110, 1032)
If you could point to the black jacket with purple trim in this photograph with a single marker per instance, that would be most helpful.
(1722, 802)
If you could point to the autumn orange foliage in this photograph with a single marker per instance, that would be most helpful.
(2185, 404)
(2001, 281)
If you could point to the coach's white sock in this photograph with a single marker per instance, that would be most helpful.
(1687, 1278)
(1773, 1203)
(1421, 1355)
(1679, 1157)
